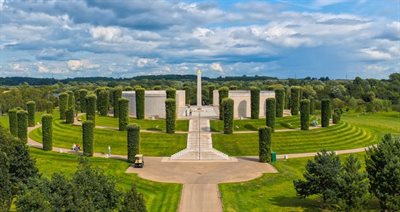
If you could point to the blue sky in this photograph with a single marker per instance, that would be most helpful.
(121, 38)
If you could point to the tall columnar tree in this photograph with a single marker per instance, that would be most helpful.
(270, 106)
(13, 122)
(97, 92)
(22, 117)
(325, 108)
(223, 93)
(49, 107)
(171, 93)
(280, 101)
(71, 99)
(287, 97)
(91, 100)
(104, 102)
(133, 137)
(139, 94)
(117, 94)
(187, 95)
(264, 144)
(63, 104)
(336, 117)
(170, 107)
(295, 100)
(123, 105)
(211, 89)
(305, 114)
(227, 104)
(47, 132)
(31, 108)
(255, 102)
(312, 106)
(69, 116)
(87, 137)
(82, 99)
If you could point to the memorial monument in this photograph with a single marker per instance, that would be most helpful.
(199, 93)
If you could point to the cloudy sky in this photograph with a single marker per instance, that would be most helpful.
(124, 38)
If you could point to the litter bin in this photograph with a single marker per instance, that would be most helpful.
(273, 156)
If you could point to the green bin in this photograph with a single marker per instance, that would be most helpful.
(273, 156)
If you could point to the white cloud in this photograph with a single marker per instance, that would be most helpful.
(106, 33)
(142, 62)
(376, 68)
(376, 54)
(216, 67)
(75, 65)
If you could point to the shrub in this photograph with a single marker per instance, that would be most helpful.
(82, 99)
(227, 104)
(270, 105)
(171, 93)
(187, 95)
(69, 116)
(295, 100)
(211, 89)
(170, 115)
(133, 137)
(97, 92)
(133, 201)
(264, 144)
(157, 88)
(63, 104)
(280, 101)
(71, 100)
(22, 117)
(91, 108)
(87, 137)
(305, 114)
(325, 108)
(255, 102)
(128, 88)
(336, 117)
(123, 118)
(139, 94)
(312, 106)
(223, 93)
(31, 108)
(13, 122)
(104, 102)
(49, 107)
(117, 94)
(287, 97)
(47, 132)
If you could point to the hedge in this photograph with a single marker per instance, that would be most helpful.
(305, 114)
(287, 97)
(211, 89)
(312, 106)
(104, 102)
(71, 99)
(82, 99)
(117, 94)
(123, 113)
(69, 116)
(270, 113)
(255, 102)
(139, 103)
(49, 107)
(170, 115)
(171, 93)
(133, 138)
(325, 108)
(264, 144)
(87, 138)
(280, 101)
(223, 93)
(13, 122)
(91, 108)
(31, 108)
(63, 104)
(22, 117)
(295, 100)
(227, 104)
(336, 117)
(187, 95)
(47, 132)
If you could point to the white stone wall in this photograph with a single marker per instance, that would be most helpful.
(263, 96)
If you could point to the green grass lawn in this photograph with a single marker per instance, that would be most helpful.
(158, 196)
(5, 123)
(151, 144)
(145, 124)
(274, 192)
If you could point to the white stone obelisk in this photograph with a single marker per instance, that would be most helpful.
(199, 99)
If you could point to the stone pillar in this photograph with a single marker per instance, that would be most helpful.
(199, 99)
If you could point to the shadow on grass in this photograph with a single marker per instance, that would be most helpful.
(154, 129)
(254, 159)
(250, 127)
(305, 204)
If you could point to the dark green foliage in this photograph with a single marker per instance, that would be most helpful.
(223, 93)
(117, 94)
(47, 132)
(305, 114)
(123, 113)
(211, 89)
(133, 137)
(91, 108)
(312, 106)
(171, 93)
(97, 92)
(170, 115)
(71, 99)
(336, 117)
(287, 97)
(31, 108)
(383, 167)
(325, 108)
(49, 107)
(139, 94)
(227, 104)
(69, 116)
(233, 87)
(5, 182)
(280, 101)
(321, 177)
(87, 137)
(13, 122)
(255, 102)
(295, 100)
(270, 106)
(264, 144)
(63, 104)
(82, 99)
(33, 200)
(133, 201)
(187, 95)
(22, 117)
(128, 88)
(104, 102)
(157, 88)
